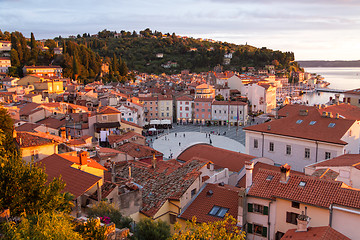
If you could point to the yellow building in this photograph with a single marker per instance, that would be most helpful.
(51, 71)
(35, 146)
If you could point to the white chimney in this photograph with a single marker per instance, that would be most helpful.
(249, 166)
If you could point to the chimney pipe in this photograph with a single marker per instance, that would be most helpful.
(303, 222)
(83, 157)
(153, 161)
(284, 173)
(249, 166)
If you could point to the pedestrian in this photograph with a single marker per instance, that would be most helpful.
(175, 134)
(184, 134)
(210, 142)
(179, 144)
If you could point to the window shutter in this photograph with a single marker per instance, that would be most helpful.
(250, 207)
(264, 232)
(250, 228)
(266, 210)
(288, 217)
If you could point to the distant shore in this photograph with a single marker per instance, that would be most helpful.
(322, 63)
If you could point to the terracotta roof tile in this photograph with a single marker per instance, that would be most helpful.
(168, 180)
(119, 138)
(77, 181)
(76, 159)
(342, 160)
(299, 127)
(315, 233)
(260, 165)
(316, 191)
(109, 110)
(212, 195)
(223, 158)
(138, 151)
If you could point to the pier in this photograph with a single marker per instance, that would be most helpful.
(330, 90)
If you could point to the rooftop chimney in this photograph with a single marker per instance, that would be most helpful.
(83, 157)
(63, 133)
(249, 166)
(303, 112)
(269, 127)
(324, 114)
(303, 222)
(153, 161)
(284, 173)
(14, 133)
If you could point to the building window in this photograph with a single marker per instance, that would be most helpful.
(193, 192)
(271, 146)
(172, 219)
(291, 217)
(307, 152)
(218, 211)
(295, 205)
(257, 229)
(327, 155)
(258, 208)
(186, 108)
(104, 118)
(288, 150)
(180, 108)
(256, 143)
(35, 155)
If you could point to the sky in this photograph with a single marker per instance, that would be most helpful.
(312, 29)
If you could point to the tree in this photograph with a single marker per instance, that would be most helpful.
(105, 209)
(92, 230)
(23, 186)
(32, 42)
(14, 58)
(220, 230)
(219, 97)
(148, 229)
(42, 226)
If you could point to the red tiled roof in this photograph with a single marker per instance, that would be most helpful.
(27, 127)
(260, 165)
(342, 160)
(223, 158)
(204, 100)
(320, 131)
(294, 109)
(130, 123)
(223, 196)
(137, 150)
(76, 159)
(30, 139)
(77, 181)
(119, 138)
(347, 111)
(317, 191)
(229, 103)
(315, 233)
(53, 122)
(168, 180)
(109, 110)
(184, 98)
(354, 91)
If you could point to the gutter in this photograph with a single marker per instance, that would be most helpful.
(269, 220)
(262, 144)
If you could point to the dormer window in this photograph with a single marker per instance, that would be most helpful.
(331, 125)
(299, 121)
(218, 211)
(312, 122)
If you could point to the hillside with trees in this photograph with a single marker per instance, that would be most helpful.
(154, 52)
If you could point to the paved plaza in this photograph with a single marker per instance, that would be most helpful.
(232, 138)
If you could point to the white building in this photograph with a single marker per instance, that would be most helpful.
(128, 113)
(346, 168)
(262, 97)
(184, 109)
(233, 112)
(303, 139)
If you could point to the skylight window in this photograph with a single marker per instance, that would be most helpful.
(302, 184)
(218, 211)
(299, 121)
(331, 125)
(269, 177)
(312, 122)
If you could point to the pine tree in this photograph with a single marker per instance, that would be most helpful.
(33, 42)
(14, 58)
(75, 68)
